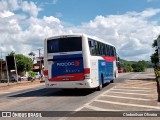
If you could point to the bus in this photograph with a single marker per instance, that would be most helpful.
(79, 61)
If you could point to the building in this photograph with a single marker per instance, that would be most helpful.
(39, 65)
(3, 70)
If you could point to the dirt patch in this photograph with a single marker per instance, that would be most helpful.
(19, 84)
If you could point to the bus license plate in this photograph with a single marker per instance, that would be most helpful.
(65, 79)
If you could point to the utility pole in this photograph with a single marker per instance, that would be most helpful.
(39, 51)
(1, 73)
(40, 59)
(1, 65)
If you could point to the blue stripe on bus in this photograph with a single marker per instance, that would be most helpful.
(105, 68)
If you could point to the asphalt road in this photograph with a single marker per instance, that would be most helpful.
(38, 98)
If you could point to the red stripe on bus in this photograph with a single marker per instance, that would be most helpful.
(68, 77)
(109, 59)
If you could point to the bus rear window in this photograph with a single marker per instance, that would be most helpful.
(69, 44)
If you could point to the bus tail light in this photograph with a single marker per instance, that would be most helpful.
(86, 70)
(45, 72)
(87, 73)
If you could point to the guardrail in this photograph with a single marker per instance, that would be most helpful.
(157, 74)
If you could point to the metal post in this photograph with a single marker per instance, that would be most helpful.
(7, 72)
(16, 68)
(40, 58)
(1, 65)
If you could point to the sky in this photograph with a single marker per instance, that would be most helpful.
(130, 25)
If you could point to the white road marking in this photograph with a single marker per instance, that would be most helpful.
(131, 90)
(127, 104)
(99, 109)
(130, 93)
(78, 109)
(126, 97)
(140, 88)
(134, 76)
(87, 104)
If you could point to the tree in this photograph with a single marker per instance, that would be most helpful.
(23, 63)
(128, 68)
(12, 53)
(140, 66)
(154, 56)
(32, 55)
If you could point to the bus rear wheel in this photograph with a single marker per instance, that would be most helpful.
(112, 81)
(100, 84)
(100, 87)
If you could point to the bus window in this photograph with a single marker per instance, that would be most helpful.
(69, 44)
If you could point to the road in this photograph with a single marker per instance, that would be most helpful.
(111, 98)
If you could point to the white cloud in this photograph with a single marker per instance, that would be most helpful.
(25, 6)
(31, 8)
(6, 14)
(132, 33)
(11, 5)
(144, 14)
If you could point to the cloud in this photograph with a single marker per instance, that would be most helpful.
(31, 8)
(6, 14)
(25, 6)
(9, 5)
(53, 2)
(144, 14)
(132, 33)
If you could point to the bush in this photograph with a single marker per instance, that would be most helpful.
(32, 74)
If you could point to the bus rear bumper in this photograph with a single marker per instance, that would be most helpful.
(69, 84)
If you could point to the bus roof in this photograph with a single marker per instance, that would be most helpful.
(79, 35)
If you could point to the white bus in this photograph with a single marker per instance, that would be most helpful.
(78, 61)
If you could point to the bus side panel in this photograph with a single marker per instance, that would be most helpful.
(106, 69)
(85, 51)
(94, 72)
(115, 69)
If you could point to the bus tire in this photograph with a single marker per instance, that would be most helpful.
(100, 84)
(112, 81)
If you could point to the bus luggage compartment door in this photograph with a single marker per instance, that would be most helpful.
(67, 68)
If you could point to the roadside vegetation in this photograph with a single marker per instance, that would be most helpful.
(134, 66)
(154, 56)
(23, 62)
(155, 61)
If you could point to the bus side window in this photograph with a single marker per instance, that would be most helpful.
(92, 47)
(108, 50)
(98, 49)
(112, 51)
(91, 43)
